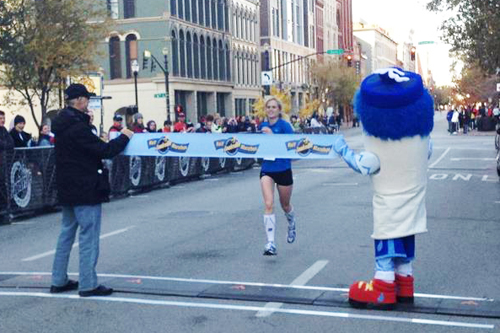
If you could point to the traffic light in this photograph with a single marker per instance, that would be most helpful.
(349, 60)
(413, 51)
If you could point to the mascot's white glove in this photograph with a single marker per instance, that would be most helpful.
(365, 163)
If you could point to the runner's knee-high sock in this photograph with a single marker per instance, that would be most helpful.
(290, 216)
(270, 225)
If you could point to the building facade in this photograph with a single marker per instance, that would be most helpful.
(382, 48)
(209, 48)
(287, 42)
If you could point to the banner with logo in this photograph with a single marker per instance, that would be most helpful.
(268, 146)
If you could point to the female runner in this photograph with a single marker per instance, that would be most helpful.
(276, 171)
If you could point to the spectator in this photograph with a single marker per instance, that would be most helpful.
(6, 142)
(332, 124)
(151, 126)
(315, 122)
(46, 138)
(138, 125)
(338, 118)
(454, 122)
(114, 131)
(449, 115)
(206, 125)
(181, 125)
(91, 115)
(217, 126)
(82, 186)
(466, 120)
(167, 126)
(232, 126)
(19, 136)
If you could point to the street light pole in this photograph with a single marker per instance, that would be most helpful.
(135, 70)
(167, 91)
(164, 69)
(267, 88)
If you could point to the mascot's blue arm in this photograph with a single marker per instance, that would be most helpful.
(365, 163)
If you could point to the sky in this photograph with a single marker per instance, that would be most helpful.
(399, 17)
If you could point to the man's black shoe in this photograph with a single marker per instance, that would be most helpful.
(99, 291)
(70, 285)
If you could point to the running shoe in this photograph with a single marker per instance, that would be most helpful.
(270, 249)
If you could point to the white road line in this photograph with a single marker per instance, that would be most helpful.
(331, 314)
(472, 159)
(257, 284)
(51, 252)
(497, 202)
(22, 223)
(466, 148)
(340, 184)
(440, 158)
(269, 308)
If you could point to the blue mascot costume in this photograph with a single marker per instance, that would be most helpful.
(396, 112)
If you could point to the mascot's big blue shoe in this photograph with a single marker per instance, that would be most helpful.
(375, 294)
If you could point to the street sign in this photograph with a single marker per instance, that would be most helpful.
(266, 78)
(160, 95)
(426, 42)
(338, 51)
(498, 87)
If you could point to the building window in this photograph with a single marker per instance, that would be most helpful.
(128, 9)
(207, 13)
(220, 14)
(173, 7)
(222, 65)
(112, 6)
(180, 3)
(214, 17)
(130, 52)
(196, 56)
(194, 12)
(189, 55)
(187, 10)
(226, 15)
(209, 59)
(203, 58)
(115, 63)
(200, 12)
(175, 54)
(216, 63)
(228, 63)
(182, 53)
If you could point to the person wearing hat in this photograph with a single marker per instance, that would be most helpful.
(181, 125)
(19, 136)
(138, 125)
(115, 130)
(6, 141)
(82, 187)
(396, 113)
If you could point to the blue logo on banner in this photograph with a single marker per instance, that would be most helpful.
(232, 146)
(164, 145)
(304, 147)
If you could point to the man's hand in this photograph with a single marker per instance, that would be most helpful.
(127, 132)
(267, 130)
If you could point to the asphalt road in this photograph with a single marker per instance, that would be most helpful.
(212, 230)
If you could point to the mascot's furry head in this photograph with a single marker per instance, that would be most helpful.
(393, 104)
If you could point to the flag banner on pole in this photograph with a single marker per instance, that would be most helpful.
(269, 146)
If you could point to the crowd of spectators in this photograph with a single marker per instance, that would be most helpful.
(462, 119)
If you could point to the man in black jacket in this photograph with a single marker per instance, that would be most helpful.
(6, 142)
(19, 136)
(82, 186)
